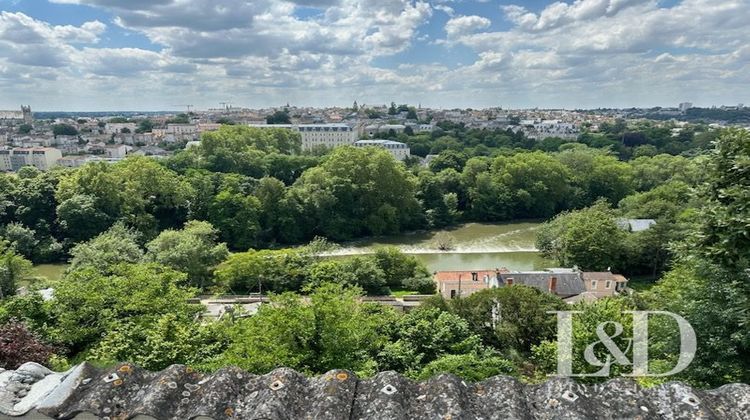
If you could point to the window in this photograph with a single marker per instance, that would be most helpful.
(608, 284)
(593, 284)
(474, 277)
(453, 293)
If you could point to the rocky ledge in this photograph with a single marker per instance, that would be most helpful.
(179, 392)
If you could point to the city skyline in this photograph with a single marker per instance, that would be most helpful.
(89, 55)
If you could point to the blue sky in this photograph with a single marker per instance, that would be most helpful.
(152, 54)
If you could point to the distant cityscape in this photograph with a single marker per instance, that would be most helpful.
(49, 139)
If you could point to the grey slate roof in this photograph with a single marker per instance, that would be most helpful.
(568, 284)
(177, 392)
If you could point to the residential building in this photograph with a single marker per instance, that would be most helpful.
(635, 225)
(43, 158)
(117, 151)
(319, 135)
(117, 128)
(602, 284)
(399, 150)
(569, 284)
(374, 129)
(462, 283)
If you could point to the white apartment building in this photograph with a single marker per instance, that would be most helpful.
(315, 135)
(399, 150)
(43, 158)
(373, 130)
(117, 128)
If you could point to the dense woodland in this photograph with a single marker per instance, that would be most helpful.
(144, 236)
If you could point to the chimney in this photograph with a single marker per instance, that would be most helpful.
(553, 285)
(509, 281)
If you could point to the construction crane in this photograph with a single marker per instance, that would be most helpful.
(186, 106)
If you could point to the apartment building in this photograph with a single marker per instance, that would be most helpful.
(399, 150)
(319, 135)
(43, 158)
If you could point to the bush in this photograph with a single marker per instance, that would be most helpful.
(471, 367)
(18, 345)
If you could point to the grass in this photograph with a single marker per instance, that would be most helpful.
(402, 293)
(642, 283)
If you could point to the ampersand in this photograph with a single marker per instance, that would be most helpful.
(607, 341)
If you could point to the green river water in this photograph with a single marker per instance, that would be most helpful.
(475, 246)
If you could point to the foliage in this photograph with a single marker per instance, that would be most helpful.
(171, 339)
(352, 271)
(715, 302)
(724, 235)
(88, 303)
(13, 268)
(522, 318)
(398, 267)
(279, 117)
(64, 130)
(590, 239)
(471, 367)
(117, 245)
(332, 331)
(357, 192)
(192, 250)
(264, 271)
(18, 345)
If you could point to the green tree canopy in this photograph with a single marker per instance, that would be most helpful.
(192, 250)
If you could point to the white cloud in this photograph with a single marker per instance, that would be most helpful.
(263, 52)
(464, 25)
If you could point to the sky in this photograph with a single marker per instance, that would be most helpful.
(78, 55)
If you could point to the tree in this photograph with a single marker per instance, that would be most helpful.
(714, 300)
(590, 239)
(192, 250)
(278, 117)
(118, 244)
(21, 238)
(358, 191)
(24, 129)
(81, 219)
(448, 159)
(585, 331)
(145, 126)
(13, 268)
(171, 339)
(392, 110)
(88, 304)
(333, 331)
(264, 271)
(237, 217)
(537, 182)
(352, 271)
(18, 345)
(139, 191)
(398, 267)
(723, 236)
(594, 174)
(64, 130)
(424, 335)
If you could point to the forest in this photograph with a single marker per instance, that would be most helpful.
(246, 207)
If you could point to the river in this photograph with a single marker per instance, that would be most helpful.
(475, 246)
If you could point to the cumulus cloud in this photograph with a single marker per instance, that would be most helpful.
(573, 52)
(464, 25)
